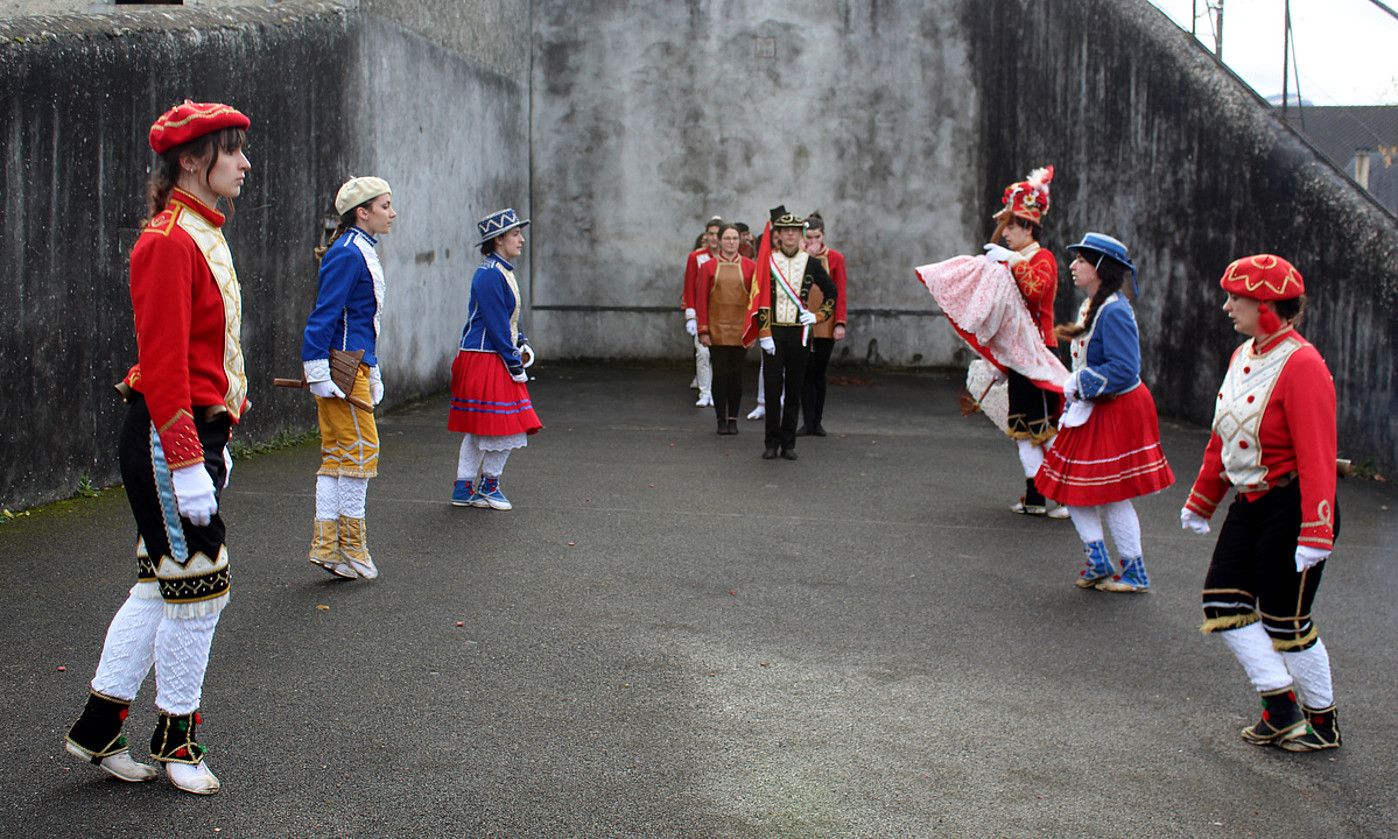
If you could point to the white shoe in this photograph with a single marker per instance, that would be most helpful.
(706, 400)
(195, 778)
(1059, 512)
(758, 413)
(121, 765)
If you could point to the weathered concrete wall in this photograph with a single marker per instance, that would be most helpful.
(646, 122)
(78, 95)
(1158, 144)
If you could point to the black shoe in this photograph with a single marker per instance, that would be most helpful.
(769, 453)
(788, 454)
(803, 432)
(1322, 732)
(1281, 721)
(732, 426)
(723, 427)
(819, 431)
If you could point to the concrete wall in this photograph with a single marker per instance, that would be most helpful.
(1159, 145)
(367, 98)
(648, 120)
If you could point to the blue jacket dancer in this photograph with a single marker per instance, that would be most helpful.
(489, 400)
(349, 302)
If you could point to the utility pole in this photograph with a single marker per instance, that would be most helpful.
(1286, 56)
(1215, 8)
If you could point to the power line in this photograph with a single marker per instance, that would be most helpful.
(1390, 11)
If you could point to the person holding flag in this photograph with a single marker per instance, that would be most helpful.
(780, 319)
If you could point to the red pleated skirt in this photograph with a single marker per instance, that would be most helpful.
(485, 400)
(1114, 456)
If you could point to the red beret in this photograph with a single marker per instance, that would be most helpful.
(192, 120)
(1263, 277)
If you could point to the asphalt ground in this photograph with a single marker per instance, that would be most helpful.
(669, 636)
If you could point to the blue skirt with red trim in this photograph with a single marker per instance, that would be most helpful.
(1114, 456)
(485, 400)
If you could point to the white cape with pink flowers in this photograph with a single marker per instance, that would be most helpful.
(984, 305)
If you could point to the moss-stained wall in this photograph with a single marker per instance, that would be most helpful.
(1160, 146)
(332, 91)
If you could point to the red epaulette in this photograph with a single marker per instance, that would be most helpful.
(163, 222)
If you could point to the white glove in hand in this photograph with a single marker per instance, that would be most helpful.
(1070, 388)
(1189, 520)
(326, 390)
(375, 386)
(526, 355)
(807, 317)
(691, 326)
(227, 466)
(1307, 557)
(768, 345)
(998, 253)
(194, 493)
(520, 377)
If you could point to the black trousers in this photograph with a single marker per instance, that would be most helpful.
(1253, 570)
(783, 377)
(728, 380)
(813, 394)
(142, 473)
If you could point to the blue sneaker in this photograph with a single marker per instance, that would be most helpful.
(463, 494)
(489, 495)
(1098, 566)
(1133, 577)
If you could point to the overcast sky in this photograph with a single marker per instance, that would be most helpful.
(1346, 50)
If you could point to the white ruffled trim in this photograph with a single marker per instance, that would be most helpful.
(317, 370)
(145, 590)
(180, 611)
(501, 443)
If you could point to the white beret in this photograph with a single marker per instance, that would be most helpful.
(358, 190)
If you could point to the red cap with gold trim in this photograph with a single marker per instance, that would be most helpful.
(192, 120)
(1264, 277)
(1028, 199)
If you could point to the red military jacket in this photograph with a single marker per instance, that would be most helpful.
(692, 264)
(1037, 277)
(188, 310)
(704, 287)
(834, 263)
(1275, 419)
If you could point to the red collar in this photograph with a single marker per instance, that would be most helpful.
(187, 200)
(1267, 343)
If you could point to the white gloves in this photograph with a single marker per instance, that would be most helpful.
(1308, 557)
(807, 317)
(520, 377)
(326, 390)
(998, 253)
(691, 325)
(526, 355)
(194, 492)
(375, 386)
(1070, 388)
(768, 345)
(227, 466)
(1189, 520)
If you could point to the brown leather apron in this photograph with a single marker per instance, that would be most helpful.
(815, 297)
(728, 306)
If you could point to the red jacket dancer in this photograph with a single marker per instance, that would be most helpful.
(826, 331)
(186, 392)
(1033, 412)
(1274, 442)
(703, 371)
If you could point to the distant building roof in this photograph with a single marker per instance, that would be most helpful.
(1343, 132)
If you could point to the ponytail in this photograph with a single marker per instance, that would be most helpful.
(345, 223)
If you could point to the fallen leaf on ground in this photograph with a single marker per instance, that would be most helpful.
(322, 607)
